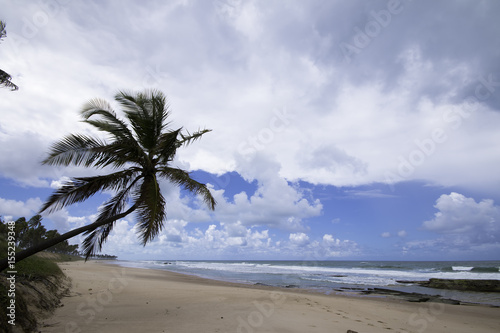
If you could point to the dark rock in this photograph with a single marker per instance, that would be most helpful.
(410, 297)
(409, 281)
(463, 284)
(353, 289)
(351, 331)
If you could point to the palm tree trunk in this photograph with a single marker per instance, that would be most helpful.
(4, 263)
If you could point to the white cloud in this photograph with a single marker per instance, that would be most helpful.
(299, 239)
(175, 241)
(398, 112)
(468, 229)
(334, 247)
(479, 222)
(56, 184)
(328, 239)
(387, 234)
(184, 207)
(242, 79)
(375, 193)
(275, 203)
(63, 222)
(16, 208)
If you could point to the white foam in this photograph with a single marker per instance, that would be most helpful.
(350, 275)
(461, 268)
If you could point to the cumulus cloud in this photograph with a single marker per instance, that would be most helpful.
(467, 229)
(275, 204)
(402, 233)
(477, 222)
(220, 241)
(177, 240)
(299, 239)
(56, 184)
(26, 208)
(302, 246)
(334, 247)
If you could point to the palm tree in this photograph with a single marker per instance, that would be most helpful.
(139, 151)
(5, 79)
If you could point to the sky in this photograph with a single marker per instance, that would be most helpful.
(341, 130)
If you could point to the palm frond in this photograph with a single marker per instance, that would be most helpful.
(95, 239)
(3, 32)
(182, 178)
(150, 209)
(147, 113)
(119, 153)
(92, 244)
(77, 149)
(5, 80)
(160, 110)
(109, 123)
(167, 146)
(80, 189)
(190, 138)
(74, 149)
(135, 109)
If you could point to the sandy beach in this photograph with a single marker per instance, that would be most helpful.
(109, 298)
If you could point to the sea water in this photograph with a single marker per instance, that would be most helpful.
(340, 276)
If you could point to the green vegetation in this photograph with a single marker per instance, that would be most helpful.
(32, 233)
(38, 274)
(36, 267)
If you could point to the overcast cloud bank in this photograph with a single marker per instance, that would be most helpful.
(301, 96)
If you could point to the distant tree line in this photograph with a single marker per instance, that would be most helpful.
(31, 233)
(103, 256)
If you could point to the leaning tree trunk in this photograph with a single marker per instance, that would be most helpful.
(4, 263)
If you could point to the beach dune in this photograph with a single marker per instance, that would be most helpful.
(110, 298)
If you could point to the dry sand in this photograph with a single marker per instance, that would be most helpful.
(110, 298)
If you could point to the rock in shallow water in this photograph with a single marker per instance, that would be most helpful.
(491, 286)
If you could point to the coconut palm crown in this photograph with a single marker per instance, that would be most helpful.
(138, 151)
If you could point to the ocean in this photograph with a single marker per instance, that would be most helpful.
(339, 277)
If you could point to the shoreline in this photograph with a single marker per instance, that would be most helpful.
(107, 297)
(409, 290)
